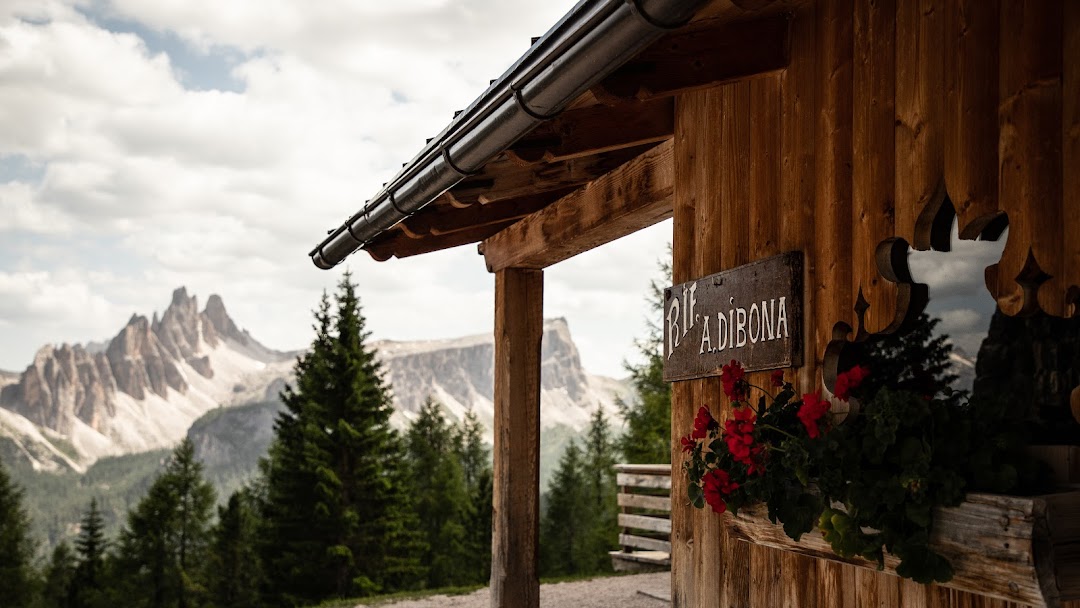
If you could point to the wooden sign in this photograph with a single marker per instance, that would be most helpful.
(752, 313)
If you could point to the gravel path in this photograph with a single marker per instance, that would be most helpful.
(620, 591)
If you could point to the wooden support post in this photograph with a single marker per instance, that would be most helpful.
(519, 312)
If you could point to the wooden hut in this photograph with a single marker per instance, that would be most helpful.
(847, 130)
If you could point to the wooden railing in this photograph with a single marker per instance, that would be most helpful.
(645, 516)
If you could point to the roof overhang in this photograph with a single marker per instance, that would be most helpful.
(567, 112)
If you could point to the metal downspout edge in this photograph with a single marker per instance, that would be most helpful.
(604, 36)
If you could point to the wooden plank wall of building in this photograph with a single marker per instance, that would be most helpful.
(886, 107)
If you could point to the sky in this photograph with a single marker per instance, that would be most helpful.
(150, 145)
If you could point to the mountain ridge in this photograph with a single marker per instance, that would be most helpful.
(143, 389)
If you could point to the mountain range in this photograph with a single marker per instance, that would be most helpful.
(143, 389)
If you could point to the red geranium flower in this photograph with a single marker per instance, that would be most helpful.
(849, 381)
(718, 486)
(688, 444)
(739, 437)
(778, 378)
(703, 423)
(732, 375)
(812, 409)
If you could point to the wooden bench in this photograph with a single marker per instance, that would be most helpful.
(645, 517)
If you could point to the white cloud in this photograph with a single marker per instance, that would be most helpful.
(148, 184)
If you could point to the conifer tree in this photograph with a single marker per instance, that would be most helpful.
(479, 478)
(164, 543)
(647, 437)
(87, 588)
(915, 360)
(601, 508)
(16, 547)
(440, 496)
(338, 519)
(564, 527)
(59, 578)
(234, 574)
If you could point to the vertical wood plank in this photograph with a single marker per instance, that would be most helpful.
(1070, 152)
(971, 124)
(711, 546)
(873, 84)
(920, 164)
(877, 590)
(800, 581)
(915, 595)
(832, 207)
(687, 167)
(797, 112)
(836, 585)
(732, 248)
(1029, 114)
(766, 589)
(519, 319)
(764, 114)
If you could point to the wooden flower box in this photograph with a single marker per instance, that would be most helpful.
(1019, 549)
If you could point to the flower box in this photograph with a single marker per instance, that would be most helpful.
(1019, 549)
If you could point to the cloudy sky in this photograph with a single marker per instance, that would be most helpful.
(148, 145)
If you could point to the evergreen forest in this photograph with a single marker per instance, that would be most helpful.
(344, 505)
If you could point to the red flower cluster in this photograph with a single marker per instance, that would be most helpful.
(718, 486)
(812, 409)
(739, 437)
(703, 423)
(733, 376)
(849, 381)
(688, 444)
(778, 378)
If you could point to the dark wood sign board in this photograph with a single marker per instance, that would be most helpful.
(752, 313)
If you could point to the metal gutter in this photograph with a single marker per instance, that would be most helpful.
(588, 44)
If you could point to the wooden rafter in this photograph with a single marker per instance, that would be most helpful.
(398, 244)
(505, 179)
(597, 129)
(634, 196)
(703, 57)
(436, 220)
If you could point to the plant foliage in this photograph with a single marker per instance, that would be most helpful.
(870, 484)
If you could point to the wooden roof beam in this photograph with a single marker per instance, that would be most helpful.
(433, 221)
(704, 57)
(597, 129)
(634, 196)
(398, 244)
(503, 178)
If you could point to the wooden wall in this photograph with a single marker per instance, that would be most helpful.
(886, 107)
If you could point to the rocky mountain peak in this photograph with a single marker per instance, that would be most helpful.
(158, 357)
(459, 371)
(221, 322)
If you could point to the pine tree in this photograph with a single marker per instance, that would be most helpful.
(17, 578)
(87, 588)
(914, 360)
(59, 578)
(564, 527)
(479, 478)
(440, 496)
(601, 507)
(338, 519)
(164, 543)
(234, 574)
(647, 438)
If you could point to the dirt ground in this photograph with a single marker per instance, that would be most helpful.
(635, 591)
